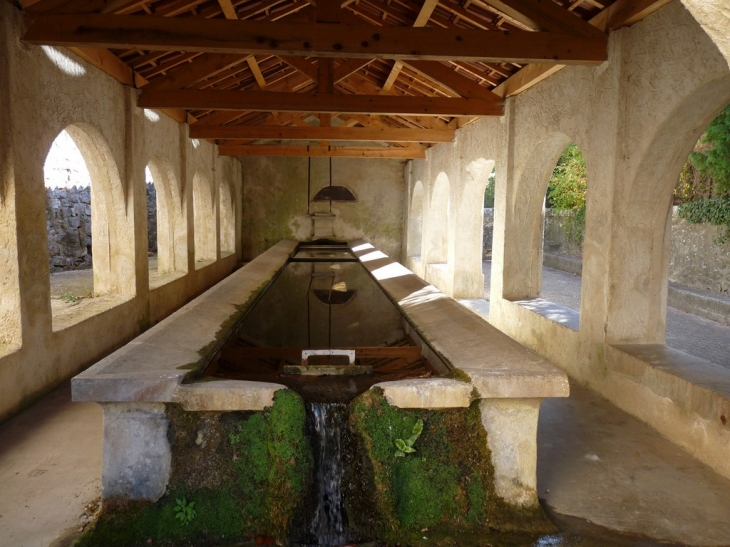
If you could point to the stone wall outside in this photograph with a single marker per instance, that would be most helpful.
(696, 260)
(68, 221)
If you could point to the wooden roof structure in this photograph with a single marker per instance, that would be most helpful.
(357, 78)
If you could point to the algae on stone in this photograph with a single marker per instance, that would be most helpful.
(447, 484)
(247, 473)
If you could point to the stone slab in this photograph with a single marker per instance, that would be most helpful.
(498, 365)
(427, 393)
(152, 367)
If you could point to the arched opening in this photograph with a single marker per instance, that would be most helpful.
(227, 220)
(415, 222)
(436, 251)
(10, 334)
(437, 234)
(91, 270)
(203, 221)
(699, 256)
(165, 227)
(565, 222)
(637, 311)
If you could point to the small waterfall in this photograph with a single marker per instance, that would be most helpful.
(327, 422)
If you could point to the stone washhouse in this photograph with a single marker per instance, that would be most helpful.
(240, 130)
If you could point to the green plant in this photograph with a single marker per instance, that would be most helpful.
(406, 447)
(184, 510)
(567, 186)
(69, 298)
(712, 211)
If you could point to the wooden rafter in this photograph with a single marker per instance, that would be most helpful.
(327, 40)
(362, 134)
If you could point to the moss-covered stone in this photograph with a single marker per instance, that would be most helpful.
(246, 473)
(446, 485)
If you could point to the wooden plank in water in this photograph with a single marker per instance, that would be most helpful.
(233, 353)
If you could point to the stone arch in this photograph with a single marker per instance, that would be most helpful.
(466, 257)
(112, 230)
(204, 224)
(227, 210)
(171, 236)
(437, 223)
(643, 211)
(522, 256)
(415, 221)
(10, 334)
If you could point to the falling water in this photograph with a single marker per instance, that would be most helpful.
(328, 523)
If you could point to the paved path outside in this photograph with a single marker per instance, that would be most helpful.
(686, 332)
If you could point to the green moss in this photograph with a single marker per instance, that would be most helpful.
(247, 474)
(447, 484)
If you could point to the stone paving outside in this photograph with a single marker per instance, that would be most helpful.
(686, 332)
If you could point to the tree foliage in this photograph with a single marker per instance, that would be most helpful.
(567, 186)
(706, 175)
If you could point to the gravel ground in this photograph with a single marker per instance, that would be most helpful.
(686, 332)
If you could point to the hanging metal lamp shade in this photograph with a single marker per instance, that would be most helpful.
(334, 193)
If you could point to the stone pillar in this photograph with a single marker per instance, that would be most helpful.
(511, 426)
(136, 453)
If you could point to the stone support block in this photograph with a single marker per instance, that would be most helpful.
(511, 426)
(136, 452)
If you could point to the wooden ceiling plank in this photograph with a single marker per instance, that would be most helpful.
(278, 132)
(194, 99)
(343, 41)
(322, 151)
(256, 71)
(183, 58)
(302, 65)
(460, 85)
(201, 68)
(348, 67)
(549, 17)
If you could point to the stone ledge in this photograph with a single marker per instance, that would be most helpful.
(152, 367)
(695, 385)
(499, 366)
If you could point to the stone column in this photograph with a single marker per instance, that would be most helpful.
(136, 453)
(511, 426)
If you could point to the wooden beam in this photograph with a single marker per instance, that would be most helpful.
(195, 99)
(377, 352)
(425, 14)
(325, 75)
(290, 133)
(622, 12)
(312, 39)
(106, 61)
(626, 12)
(256, 71)
(388, 85)
(322, 151)
(546, 16)
(228, 10)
